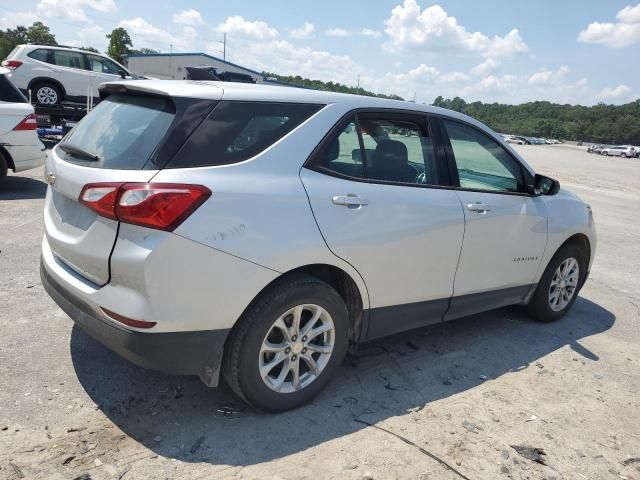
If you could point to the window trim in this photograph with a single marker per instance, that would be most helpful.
(453, 166)
(420, 118)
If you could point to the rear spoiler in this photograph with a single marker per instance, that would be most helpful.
(163, 88)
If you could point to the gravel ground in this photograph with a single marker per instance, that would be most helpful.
(463, 392)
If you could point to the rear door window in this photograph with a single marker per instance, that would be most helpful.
(123, 131)
(64, 58)
(238, 131)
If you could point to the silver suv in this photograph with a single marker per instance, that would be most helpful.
(261, 231)
(56, 74)
(624, 151)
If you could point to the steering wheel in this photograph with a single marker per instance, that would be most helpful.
(421, 178)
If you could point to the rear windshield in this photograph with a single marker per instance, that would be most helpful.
(9, 92)
(238, 131)
(123, 131)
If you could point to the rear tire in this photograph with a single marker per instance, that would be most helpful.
(268, 360)
(46, 93)
(559, 286)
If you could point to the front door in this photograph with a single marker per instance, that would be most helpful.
(370, 189)
(505, 227)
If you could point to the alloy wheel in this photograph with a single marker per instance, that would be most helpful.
(297, 348)
(564, 284)
(47, 95)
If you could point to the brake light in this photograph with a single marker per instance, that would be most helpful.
(30, 122)
(162, 206)
(11, 64)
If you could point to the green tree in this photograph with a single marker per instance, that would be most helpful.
(10, 38)
(145, 51)
(40, 34)
(90, 49)
(119, 43)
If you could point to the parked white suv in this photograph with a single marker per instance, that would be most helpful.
(625, 151)
(259, 231)
(55, 74)
(20, 147)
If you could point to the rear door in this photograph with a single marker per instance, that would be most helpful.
(374, 189)
(70, 71)
(123, 132)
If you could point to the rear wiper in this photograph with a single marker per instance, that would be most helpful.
(78, 152)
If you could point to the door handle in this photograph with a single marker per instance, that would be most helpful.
(351, 200)
(478, 207)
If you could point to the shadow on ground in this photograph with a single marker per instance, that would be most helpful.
(178, 417)
(22, 188)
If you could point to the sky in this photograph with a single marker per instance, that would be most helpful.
(508, 51)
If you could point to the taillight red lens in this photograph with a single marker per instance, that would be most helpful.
(128, 321)
(101, 198)
(162, 206)
(159, 205)
(11, 64)
(30, 122)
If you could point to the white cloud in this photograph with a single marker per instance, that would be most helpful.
(305, 31)
(410, 28)
(144, 34)
(367, 32)
(484, 68)
(241, 28)
(621, 34)
(549, 77)
(629, 14)
(19, 18)
(90, 36)
(73, 9)
(619, 93)
(188, 17)
(337, 32)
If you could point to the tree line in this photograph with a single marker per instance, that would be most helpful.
(601, 123)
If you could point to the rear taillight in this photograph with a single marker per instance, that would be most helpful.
(162, 206)
(30, 122)
(11, 64)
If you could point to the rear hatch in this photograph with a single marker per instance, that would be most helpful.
(126, 138)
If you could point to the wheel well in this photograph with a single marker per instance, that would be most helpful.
(39, 80)
(341, 282)
(581, 241)
(4, 154)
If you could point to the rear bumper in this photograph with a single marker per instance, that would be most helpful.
(26, 157)
(177, 353)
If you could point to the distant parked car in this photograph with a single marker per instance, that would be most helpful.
(625, 151)
(55, 74)
(20, 147)
(516, 140)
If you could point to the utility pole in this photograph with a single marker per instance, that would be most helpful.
(358, 87)
(224, 47)
(171, 60)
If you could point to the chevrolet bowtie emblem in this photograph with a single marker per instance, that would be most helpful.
(50, 178)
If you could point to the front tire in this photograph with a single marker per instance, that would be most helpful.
(559, 286)
(287, 345)
(47, 94)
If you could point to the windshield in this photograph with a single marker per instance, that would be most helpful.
(123, 131)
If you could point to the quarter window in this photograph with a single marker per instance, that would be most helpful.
(40, 54)
(481, 162)
(238, 131)
(64, 58)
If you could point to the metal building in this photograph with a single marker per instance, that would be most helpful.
(171, 66)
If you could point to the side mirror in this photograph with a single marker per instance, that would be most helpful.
(546, 185)
(123, 74)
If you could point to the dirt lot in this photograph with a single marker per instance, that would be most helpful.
(464, 392)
